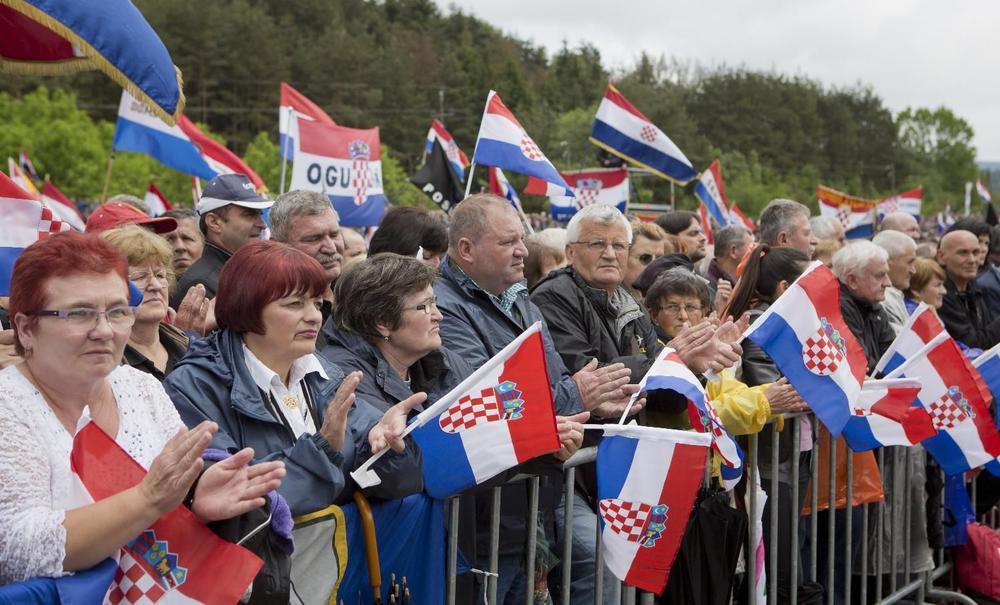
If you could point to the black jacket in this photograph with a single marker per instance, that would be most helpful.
(582, 324)
(869, 324)
(204, 271)
(967, 318)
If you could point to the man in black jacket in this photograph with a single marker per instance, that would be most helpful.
(964, 311)
(863, 271)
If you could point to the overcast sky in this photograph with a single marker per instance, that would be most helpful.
(922, 54)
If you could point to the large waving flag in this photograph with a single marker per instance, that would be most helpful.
(346, 165)
(175, 560)
(459, 161)
(504, 143)
(907, 201)
(885, 415)
(805, 334)
(216, 155)
(623, 130)
(292, 108)
(712, 193)
(500, 416)
(592, 186)
(647, 480)
(23, 221)
(854, 213)
(63, 207)
(499, 185)
(920, 328)
(952, 394)
(56, 37)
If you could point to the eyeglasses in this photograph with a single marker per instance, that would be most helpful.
(675, 309)
(599, 245)
(119, 318)
(428, 306)
(146, 276)
(647, 258)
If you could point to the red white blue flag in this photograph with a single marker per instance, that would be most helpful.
(984, 193)
(885, 415)
(61, 206)
(920, 328)
(294, 107)
(907, 201)
(504, 143)
(499, 185)
(346, 165)
(459, 161)
(592, 186)
(712, 193)
(738, 218)
(647, 480)
(23, 221)
(498, 417)
(157, 202)
(805, 335)
(621, 129)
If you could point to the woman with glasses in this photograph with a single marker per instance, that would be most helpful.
(676, 299)
(70, 307)
(154, 346)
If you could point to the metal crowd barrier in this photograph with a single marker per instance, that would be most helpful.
(860, 585)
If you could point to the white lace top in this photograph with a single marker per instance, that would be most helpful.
(35, 476)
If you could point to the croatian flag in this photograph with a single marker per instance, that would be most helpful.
(175, 560)
(885, 415)
(967, 438)
(647, 480)
(60, 205)
(504, 143)
(907, 201)
(984, 193)
(920, 328)
(157, 202)
(294, 107)
(459, 161)
(805, 335)
(499, 185)
(23, 221)
(853, 213)
(988, 366)
(624, 131)
(669, 372)
(593, 186)
(500, 416)
(346, 165)
(710, 190)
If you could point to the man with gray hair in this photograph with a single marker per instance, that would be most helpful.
(731, 245)
(785, 224)
(902, 251)
(826, 229)
(863, 271)
(902, 222)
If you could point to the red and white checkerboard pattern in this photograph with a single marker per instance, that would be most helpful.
(820, 355)
(648, 133)
(133, 585)
(48, 224)
(530, 150)
(586, 197)
(890, 206)
(360, 180)
(468, 412)
(625, 518)
(844, 216)
(945, 413)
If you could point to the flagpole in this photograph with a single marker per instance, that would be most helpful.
(284, 150)
(472, 165)
(107, 177)
(472, 170)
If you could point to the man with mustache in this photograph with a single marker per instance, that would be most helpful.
(306, 220)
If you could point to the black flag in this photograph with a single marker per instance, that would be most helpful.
(438, 179)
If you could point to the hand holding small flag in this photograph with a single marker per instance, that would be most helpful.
(388, 433)
(570, 429)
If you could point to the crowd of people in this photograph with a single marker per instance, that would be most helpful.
(300, 356)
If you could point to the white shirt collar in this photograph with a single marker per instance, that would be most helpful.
(265, 378)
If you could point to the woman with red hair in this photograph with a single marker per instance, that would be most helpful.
(260, 379)
(69, 304)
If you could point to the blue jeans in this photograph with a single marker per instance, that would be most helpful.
(582, 578)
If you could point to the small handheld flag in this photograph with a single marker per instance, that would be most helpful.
(920, 328)
(884, 415)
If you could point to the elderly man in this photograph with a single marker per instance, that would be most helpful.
(785, 224)
(731, 245)
(187, 240)
(828, 230)
(485, 306)
(964, 311)
(902, 251)
(863, 271)
(902, 222)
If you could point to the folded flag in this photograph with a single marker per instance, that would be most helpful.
(669, 372)
(175, 560)
(884, 415)
(346, 165)
(920, 328)
(294, 106)
(157, 202)
(854, 213)
(61, 206)
(459, 161)
(504, 143)
(967, 438)
(647, 480)
(984, 193)
(23, 221)
(712, 194)
(592, 186)
(621, 129)
(498, 417)
(907, 201)
(499, 185)
(805, 335)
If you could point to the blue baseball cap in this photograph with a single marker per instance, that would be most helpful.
(228, 189)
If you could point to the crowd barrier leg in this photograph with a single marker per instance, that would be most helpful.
(452, 549)
(831, 524)
(863, 589)
(492, 579)
(529, 571)
(599, 570)
(848, 524)
(814, 514)
(794, 515)
(880, 544)
(750, 551)
(774, 499)
(567, 551)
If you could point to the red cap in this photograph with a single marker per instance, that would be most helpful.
(115, 214)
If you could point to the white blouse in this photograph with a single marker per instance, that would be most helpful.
(290, 400)
(35, 475)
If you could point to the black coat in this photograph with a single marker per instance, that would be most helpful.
(204, 271)
(869, 324)
(967, 318)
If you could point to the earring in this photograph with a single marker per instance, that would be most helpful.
(385, 338)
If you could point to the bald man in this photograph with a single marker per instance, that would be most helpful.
(964, 311)
(903, 222)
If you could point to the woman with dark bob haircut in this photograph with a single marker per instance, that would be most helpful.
(259, 378)
(387, 327)
(407, 231)
(69, 300)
